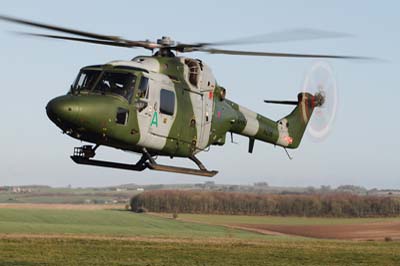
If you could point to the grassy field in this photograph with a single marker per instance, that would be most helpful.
(107, 223)
(37, 251)
(114, 237)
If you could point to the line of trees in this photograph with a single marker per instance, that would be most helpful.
(331, 205)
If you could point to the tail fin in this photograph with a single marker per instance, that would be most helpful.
(292, 127)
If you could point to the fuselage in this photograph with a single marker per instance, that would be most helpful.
(171, 106)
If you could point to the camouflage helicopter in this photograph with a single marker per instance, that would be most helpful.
(167, 105)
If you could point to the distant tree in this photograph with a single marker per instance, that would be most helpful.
(311, 190)
(327, 205)
(325, 189)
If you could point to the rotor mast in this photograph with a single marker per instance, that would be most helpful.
(165, 43)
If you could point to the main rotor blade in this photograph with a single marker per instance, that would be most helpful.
(60, 29)
(252, 53)
(109, 43)
(283, 36)
(282, 102)
(273, 37)
(144, 44)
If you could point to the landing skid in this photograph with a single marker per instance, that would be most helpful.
(83, 155)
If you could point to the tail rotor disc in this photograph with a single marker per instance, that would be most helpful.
(320, 82)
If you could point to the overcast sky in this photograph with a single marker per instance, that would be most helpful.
(362, 149)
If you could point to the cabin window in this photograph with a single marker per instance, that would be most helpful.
(167, 102)
(122, 116)
(194, 71)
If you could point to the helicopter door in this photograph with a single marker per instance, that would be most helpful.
(156, 111)
(146, 101)
(205, 110)
(161, 107)
(202, 103)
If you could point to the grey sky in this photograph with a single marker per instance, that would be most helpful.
(361, 150)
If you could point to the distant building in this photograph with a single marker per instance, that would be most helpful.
(261, 184)
(352, 189)
(21, 190)
(384, 192)
(209, 183)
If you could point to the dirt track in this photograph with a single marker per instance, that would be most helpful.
(368, 231)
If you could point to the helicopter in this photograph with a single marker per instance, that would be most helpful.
(166, 104)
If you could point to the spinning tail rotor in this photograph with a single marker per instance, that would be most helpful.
(320, 91)
(320, 82)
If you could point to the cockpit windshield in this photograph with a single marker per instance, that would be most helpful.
(118, 83)
(86, 80)
(105, 82)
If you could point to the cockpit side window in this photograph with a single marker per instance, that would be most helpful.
(143, 88)
(142, 94)
(117, 83)
(86, 80)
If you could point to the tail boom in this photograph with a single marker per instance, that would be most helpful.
(286, 132)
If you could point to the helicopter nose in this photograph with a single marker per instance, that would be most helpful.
(63, 111)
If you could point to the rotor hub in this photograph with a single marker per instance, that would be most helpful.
(319, 99)
(166, 41)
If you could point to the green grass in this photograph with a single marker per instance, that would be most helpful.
(242, 219)
(189, 242)
(107, 222)
(35, 252)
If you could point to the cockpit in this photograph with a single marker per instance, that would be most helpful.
(105, 82)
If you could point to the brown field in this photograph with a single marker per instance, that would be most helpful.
(362, 230)
(368, 231)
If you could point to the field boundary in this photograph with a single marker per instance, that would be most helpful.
(210, 240)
